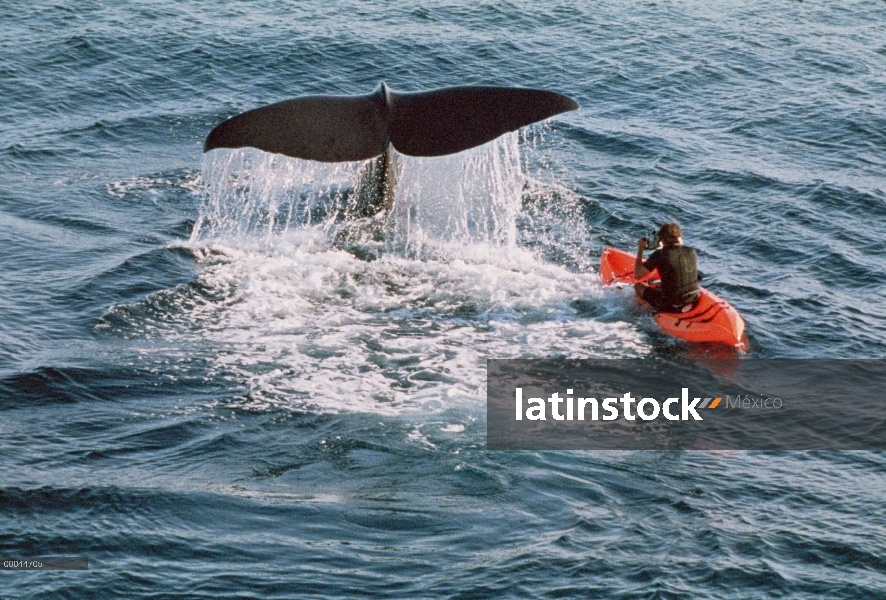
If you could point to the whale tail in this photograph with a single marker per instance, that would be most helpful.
(351, 128)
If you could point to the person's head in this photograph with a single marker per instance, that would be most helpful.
(670, 234)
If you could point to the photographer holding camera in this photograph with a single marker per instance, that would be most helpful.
(677, 267)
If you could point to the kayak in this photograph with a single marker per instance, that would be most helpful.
(711, 319)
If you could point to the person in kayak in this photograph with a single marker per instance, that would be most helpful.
(677, 267)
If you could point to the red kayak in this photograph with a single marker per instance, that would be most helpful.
(711, 319)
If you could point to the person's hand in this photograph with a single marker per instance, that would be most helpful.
(642, 244)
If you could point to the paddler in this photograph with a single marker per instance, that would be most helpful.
(677, 267)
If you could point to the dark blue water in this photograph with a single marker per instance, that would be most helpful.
(211, 389)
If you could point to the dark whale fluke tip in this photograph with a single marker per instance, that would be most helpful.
(349, 128)
(324, 128)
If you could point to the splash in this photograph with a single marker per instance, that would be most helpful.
(472, 197)
(309, 309)
(250, 194)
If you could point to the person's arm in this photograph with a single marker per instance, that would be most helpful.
(639, 269)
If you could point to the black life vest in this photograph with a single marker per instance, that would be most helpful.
(678, 269)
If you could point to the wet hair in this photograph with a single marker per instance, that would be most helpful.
(669, 233)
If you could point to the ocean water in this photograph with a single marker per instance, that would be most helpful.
(213, 386)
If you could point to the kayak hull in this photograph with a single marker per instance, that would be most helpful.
(712, 319)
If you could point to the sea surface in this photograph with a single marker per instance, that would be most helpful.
(212, 386)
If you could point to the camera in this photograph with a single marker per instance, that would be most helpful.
(652, 240)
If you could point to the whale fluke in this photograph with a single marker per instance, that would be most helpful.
(351, 128)
(450, 120)
(324, 128)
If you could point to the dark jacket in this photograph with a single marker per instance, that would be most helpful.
(678, 269)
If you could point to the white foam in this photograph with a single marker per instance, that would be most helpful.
(304, 324)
